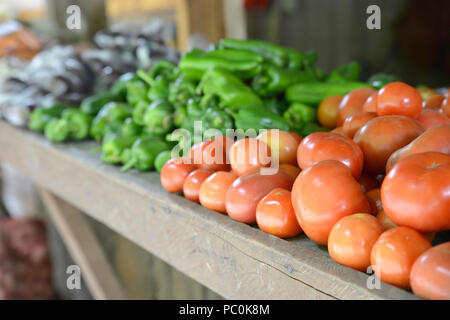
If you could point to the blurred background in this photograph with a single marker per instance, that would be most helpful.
(117, 36)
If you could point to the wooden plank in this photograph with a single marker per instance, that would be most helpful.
(231, 258)
(235, 19)
(84, 248)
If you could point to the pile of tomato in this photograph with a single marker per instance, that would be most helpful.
(375, 190)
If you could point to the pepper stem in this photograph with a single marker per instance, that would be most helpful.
(130, 164)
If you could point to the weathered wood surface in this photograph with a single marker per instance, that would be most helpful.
(235, 260)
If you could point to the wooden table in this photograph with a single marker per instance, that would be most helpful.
(233, 259)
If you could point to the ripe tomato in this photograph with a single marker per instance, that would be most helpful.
(215, 154)
(291, 171)
(416, 192)
(213, 190)
(432, 118)
(174, 172)
(368, 182)
(374, 198)
(381, 136)
(249, 155)
(283, 147)
(324, 193)
(297, 137)
(434, 101)
(353, 123)
(327, 113)
(385, 221)
(330, 146)
(243, 195)
(371, 103)
(430, 274)
(399, 98)
(434, 139)
(193, 182)
(445, 107)
(352, 103)
(352, 238)
(394, 254)
(339, 130)
(275, 215)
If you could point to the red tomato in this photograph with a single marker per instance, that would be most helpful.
(432, 118)
(324, 193)
(283, 147)
(353, 123)
(352, 238)
(371, 103)
(291, 171)
(445, 107)
(275, 215)
(213, 190)
(398, 98)
(328, 112)
(368, 182)
(385, 221)
(381, 136)
(193, 182)
(430, 274)
(215, 154)
(374, 198)
(394, 254)
(353, 103)
(243, 195)
(330, 146)
(339, 130)
(249, 155)
(433, 101)
(174, 172)
(416, 192)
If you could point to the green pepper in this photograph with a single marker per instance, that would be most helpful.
(125, 156)
(57, 130)
(379, 80)
(312, 93)
(93, 104)
(259, 118)
(115, 111)
(275, 105)
(215, 118)
(161, 160)
(139, 110)
(232, 92)
(181, 90)
(119, 88)
(144, 152)
(274, 80)
(112, 149)
(242, 64)
(163, 68)
(159, 89)
(310, 127)
(158, 117)
(130, 128)
(98, 128)
(179, 115)
(136, 91)
(41, 116)
(298, 114)
(345, 73)
(79, 123)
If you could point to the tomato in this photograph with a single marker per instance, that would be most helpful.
(291, 171)
(249, 155)
(297, 137)
(430, 274)
(432, 118)
(368, 182)
(434, 139)
(215, 154)
(353, 123)
(243, 195)
(399, 98)
(283, 147)
(381, 136)
(330, 146)
(445, 107)
(174, 172)
(374, 198)
(352, 103)
(352, 238)
(339, 130)
(433, 102)
(394, 254)
(275, 215)
(416, 192)
(385, 221)
(328, 111)
(213, 190)
(425, 93)
(324, 193)
(371, 103)
(193, 182)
